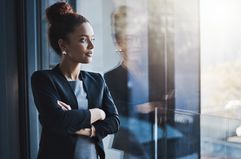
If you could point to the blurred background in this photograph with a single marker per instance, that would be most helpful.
(182, 64)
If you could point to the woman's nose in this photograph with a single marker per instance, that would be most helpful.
(91, 45)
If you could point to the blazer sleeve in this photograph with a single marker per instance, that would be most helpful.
(52, 117)
(111, 123)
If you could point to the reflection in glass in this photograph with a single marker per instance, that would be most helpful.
(158, 42)
(220, 74)
(128, 83)
(175, 64)
(149, 73)
(180, 137)
(158, 74)
(218, 139)
(221, 57)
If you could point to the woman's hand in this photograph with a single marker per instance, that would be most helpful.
(63, 105)
(87, 131)
(95, 115)
(149, 107)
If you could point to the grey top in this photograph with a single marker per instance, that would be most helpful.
(85, 147)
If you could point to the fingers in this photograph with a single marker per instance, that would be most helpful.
(63, 105)
(93, 131)
(148, 107)
(85, 132)
(145, 108)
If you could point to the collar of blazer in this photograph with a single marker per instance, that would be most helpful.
(69, 91)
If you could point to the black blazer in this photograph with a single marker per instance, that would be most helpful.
(58, 126)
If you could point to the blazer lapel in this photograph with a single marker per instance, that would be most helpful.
(67, 90)
(88, 89)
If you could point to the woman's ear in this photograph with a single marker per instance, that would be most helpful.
(62, 44)
(121, 45)
(118, 49)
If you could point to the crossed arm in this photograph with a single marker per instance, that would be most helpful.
(57, 116)
(95, 115)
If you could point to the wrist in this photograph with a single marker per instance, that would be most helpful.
(91, 132)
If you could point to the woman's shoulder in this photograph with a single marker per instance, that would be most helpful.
(45, 75)
(47, 72)
(42, 73)
(91, 75)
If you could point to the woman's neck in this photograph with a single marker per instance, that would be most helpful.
(70, 70)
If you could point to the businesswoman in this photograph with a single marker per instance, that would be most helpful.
(75, 108)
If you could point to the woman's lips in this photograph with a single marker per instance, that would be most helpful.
(89, 54)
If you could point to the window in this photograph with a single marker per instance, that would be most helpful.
(220, 72)
(148, 52)
(173, 69)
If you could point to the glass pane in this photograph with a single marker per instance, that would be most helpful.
(220, 72)
(178, 58)
(186, 54)
(185, 130)
(106, 55)
(156, 65)
(121, 54)
(219, 140)
(220, 57)
(148, 52)
(48, 58)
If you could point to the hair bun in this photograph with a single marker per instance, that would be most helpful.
(56, 11)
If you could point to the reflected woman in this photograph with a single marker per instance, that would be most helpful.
(128, 84)
(75, 108)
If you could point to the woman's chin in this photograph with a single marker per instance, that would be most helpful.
(87, 61)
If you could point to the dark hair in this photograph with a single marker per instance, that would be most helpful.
(118, 21)
(62, 21)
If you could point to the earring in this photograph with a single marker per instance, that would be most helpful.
(64, 52)
(118, 50)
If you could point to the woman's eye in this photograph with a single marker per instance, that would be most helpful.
(83, 40)
(86, 40)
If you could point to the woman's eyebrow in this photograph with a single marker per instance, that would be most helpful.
(86, 35)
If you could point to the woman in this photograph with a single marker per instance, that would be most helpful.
(75, 107)
(131, 94)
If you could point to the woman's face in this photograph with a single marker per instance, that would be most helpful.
(133, 43)
(79, 46)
